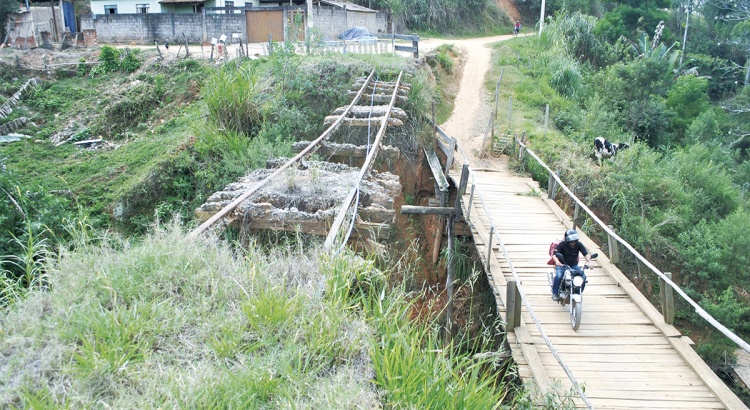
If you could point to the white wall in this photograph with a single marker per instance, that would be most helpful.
(124, 6)
(128, 6)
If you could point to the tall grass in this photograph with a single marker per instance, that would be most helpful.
(236, 97)
(165, 322)
(28, 271)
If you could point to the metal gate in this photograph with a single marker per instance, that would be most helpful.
(261, 23)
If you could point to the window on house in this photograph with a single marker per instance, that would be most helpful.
(197, 8)
(111, 9)
(141, 8)
(229, 4)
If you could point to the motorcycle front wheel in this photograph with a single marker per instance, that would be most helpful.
(575, 314)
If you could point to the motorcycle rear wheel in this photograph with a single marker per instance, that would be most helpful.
(575, 314)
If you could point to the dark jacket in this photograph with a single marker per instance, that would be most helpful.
(570, 254)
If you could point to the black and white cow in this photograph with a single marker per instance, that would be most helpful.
(606, 149)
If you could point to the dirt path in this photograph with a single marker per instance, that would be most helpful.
(470, 119)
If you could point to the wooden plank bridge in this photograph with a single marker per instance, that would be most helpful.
(624, 356)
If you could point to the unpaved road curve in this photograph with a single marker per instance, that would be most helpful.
(473, 105)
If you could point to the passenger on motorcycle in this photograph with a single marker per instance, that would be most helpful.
(569, 249)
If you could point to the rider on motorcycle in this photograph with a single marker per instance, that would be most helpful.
(569, 250)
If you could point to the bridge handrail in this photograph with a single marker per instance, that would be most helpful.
(702, 313)
(519, 287)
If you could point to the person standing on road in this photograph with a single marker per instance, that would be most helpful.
(517, 28)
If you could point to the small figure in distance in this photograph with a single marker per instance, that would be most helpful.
(517, 28)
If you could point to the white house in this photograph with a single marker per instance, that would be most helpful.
(99, 7)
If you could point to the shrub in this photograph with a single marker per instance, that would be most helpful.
(109, 61)
(236, 97)
(688, 99)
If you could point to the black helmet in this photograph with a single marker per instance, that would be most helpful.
(571, 235)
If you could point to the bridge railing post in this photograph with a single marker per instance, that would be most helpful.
(471, 202)
(552, 185)
(489, 247)
(614, 252)
(667, 299)
(512, 306)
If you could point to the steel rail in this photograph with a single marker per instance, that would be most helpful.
(308, 150)
(366, 166)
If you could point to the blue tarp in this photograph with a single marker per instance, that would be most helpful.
(357, 33)
(12, 138)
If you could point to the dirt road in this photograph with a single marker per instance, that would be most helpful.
(470, 118)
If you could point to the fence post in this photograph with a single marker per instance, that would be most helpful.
(667, 299)
(575, 215)
(510, 109)
(614, 253)
(512, 306)
(415, 44)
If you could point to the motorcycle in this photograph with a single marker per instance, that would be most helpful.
(571, 290)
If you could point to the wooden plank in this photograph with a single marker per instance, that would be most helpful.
(425, 210)
(437, 170)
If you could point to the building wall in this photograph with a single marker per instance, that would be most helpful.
(150, 27)
(21, 30)
(228, 24)
(332, 21)
(161, 27)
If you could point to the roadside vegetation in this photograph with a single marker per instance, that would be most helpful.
(679, 194)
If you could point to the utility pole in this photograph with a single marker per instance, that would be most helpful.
(309, 14)
(689, 10)
(541, 19)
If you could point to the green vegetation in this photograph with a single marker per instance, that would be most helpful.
(463, 17)
(679, 193)
(293, 328)
(7, 7)
(443, 64)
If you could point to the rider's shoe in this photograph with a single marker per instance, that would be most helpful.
(556, 298)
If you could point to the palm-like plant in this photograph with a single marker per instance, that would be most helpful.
(30, 263)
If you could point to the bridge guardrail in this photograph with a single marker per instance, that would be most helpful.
(448, 145)
(444, 142)
(614, 237)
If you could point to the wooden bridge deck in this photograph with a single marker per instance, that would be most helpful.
(623, 355)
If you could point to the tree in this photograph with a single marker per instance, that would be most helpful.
(6, 7)
(688, 99)
(731, 10)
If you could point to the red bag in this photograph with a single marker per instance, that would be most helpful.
(552, 247)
